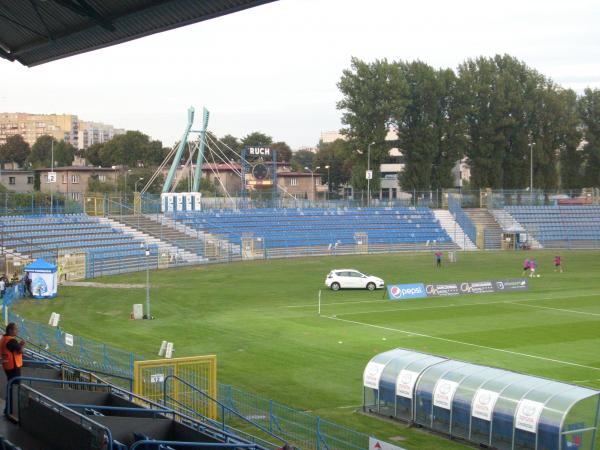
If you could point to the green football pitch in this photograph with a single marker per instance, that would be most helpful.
(261, 320)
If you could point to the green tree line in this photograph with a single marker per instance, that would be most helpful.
(493, 111)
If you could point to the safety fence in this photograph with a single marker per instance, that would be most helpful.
(77, 350)
(306, 431)
(454, 206)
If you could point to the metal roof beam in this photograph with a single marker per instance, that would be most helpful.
(41, 18)
(83, 8)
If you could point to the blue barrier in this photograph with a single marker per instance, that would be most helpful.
(462, 218)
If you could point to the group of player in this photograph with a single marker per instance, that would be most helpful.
(530, 265)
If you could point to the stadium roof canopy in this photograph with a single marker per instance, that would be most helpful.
(38, 31)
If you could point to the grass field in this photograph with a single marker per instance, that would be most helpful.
(261, 319)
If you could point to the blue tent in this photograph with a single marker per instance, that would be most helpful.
(43, 278)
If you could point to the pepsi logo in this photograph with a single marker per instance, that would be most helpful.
(395, 291)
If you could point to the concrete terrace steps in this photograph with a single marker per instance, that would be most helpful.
(136, 226)
(453, 229)
(483, 218)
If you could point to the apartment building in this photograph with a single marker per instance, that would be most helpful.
(91, 133)
(32, 126)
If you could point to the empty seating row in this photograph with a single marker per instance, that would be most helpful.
(317, 227)
(559, 224)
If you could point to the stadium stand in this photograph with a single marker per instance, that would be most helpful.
(572, 226)
(60, 407)
(109, 246)
(387, 229)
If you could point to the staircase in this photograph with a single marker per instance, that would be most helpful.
(485, 221)
(152, 232)
(453, 229)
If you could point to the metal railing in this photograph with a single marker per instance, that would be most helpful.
(305, 430)
(465, 222)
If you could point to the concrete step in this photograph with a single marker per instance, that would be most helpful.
(453, 229)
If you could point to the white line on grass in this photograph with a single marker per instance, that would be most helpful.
(454, 341)
(559, 309)
(453, 305)
(306, 305)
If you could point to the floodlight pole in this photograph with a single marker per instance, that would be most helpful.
(531, 144)
(52, 171)
(368, 169)
(147, 251)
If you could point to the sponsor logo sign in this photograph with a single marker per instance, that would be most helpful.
(528, 415)
(405, 383)
(404, 291)
(442, 290)
(483, 404)
(372, 374)
(419, 290)
(478, 287)
(259, 151)
(376, 444)
(515, 284)
(444, 393)
(69, 339)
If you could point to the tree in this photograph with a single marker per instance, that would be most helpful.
(570, 157)
(256, 139)
(430, 129)
(302, 159)
(14, 150)
(284, 152)
(374, 99)
(589, 111)
(231, 147)
(338, 156)
(131, 148)
(504, 112)
(41, 152)
(92, 154)
(206, 187)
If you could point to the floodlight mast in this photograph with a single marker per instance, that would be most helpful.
(182, 145)
(200, 159)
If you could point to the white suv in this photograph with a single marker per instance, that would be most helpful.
(353, 279)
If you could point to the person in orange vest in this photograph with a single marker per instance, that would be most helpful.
(11, 351)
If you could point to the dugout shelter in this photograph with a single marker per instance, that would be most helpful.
(483, 405)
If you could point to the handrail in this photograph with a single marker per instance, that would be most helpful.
(222, 405)
(156, 407)
(192, 444)
(59, 405)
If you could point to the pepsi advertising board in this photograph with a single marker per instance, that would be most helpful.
(420, 290)
(404, 291)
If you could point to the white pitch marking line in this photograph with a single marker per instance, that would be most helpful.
(510, 302)
(561, 310)
(306, 305)
(412, 333)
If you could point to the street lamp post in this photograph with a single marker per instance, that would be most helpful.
(52, 171)
(328, 186)
(368, 169)
(312, 180)
(531, 144)
(147, 252)
(135, 184)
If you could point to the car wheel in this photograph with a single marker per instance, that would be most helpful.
(371, 286)
(335, 286)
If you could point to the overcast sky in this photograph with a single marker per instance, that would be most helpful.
(274, 68)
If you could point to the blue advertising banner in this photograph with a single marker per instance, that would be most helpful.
(404, 291)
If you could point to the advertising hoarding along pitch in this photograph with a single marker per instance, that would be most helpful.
(404, 291)
(420, 290)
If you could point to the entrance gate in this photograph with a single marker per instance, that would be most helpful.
(200, 371)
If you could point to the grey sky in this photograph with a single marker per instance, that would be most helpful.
(274, 68)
